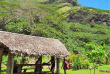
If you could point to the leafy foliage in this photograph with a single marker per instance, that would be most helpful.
(19, 26)
(79, 61)
(42, 18)
(96, 54)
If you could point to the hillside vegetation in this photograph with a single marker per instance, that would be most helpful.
(65, 20)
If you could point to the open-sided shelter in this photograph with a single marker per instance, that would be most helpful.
(26, 45)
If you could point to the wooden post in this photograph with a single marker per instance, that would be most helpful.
(19, 69)
(38, 65)
(1, 54)
(10, 63)
(58, 67)
(20, 66)
(64, 66)
(40, 59)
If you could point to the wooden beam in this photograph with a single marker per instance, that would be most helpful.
(58, 66)
(10, 63)
(1, 54)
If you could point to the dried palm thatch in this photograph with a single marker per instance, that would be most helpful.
(23, 45)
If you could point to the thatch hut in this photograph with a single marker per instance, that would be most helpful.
(26, 45)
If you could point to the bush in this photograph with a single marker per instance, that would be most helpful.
(20, 26)
(99, 32)
(80, 62)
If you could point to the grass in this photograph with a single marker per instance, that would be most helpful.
(105, 67)
(71, 71)
(83, 71)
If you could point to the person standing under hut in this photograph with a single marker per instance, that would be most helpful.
(65, 65)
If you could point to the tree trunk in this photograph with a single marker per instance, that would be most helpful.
(106, 61)
(94, 70)
(94, 67)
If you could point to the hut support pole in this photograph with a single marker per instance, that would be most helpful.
(40, 59)
(10, 63)
(19, 69)
(58, 67)
(64, 66)
(1, 54)
(38, 67)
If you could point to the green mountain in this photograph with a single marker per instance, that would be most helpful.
(65, 20)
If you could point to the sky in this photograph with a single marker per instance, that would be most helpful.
(100, 4)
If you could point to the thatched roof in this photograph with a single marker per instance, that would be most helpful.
(20, 44)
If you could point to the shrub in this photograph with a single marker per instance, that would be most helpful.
(80, 62)
(99, 32)
(20, 26)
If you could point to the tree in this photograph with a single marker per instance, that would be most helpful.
(95, 54)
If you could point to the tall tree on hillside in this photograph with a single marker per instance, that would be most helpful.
(95, 54)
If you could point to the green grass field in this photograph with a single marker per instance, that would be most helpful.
(82, 71)
(87, 71)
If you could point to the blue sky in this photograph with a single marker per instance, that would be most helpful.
(101, 4)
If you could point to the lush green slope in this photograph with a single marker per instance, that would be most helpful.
(68, 22)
